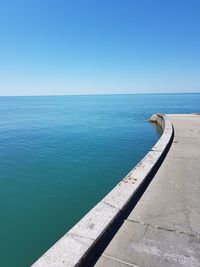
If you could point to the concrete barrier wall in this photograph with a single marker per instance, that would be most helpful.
(82, 245)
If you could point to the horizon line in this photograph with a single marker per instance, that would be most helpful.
(103, 94)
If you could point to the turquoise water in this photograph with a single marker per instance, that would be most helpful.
(60, 155)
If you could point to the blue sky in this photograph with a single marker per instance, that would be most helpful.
(99, 47)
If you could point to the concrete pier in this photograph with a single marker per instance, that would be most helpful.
(164, 227)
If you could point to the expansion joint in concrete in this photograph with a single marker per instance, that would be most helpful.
(120, 261)
(163, 228)
(185, 157)
(110, 205)
(79, 236)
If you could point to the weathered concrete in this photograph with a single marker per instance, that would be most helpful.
(81, 246)
(164, 228)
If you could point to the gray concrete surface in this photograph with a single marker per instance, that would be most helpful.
(164, 228)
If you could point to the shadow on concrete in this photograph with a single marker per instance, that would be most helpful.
(95, 252)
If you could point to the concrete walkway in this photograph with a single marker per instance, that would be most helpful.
(164, 228)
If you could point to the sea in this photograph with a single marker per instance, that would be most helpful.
(60, 155)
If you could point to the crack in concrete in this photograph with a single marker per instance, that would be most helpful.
(162, 228)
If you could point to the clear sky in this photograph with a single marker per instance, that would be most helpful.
(99, 46)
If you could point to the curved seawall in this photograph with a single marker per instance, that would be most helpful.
(163, 228)
(83, 244)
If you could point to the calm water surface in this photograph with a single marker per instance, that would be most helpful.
(60, 155)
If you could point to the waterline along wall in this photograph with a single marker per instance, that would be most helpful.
(83, 244)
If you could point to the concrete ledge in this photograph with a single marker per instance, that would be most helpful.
(83, 244)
